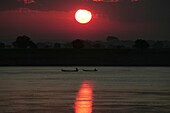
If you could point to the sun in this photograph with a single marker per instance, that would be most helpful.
(83, 16)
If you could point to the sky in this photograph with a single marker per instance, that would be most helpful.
(54, 19)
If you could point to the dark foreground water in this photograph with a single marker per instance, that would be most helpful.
(109, 90)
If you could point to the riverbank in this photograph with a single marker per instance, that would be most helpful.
(84, 57)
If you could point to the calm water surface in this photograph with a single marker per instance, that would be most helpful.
(109, 90)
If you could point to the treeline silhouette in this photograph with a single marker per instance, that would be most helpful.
(112, 52)
(25, 42)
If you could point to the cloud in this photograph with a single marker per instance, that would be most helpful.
(136, 11)
(143, 11)
(52, 4)
(45, 17)
(106, 0)
(115, 1)
(27, 1)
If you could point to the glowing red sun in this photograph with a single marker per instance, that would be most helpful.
(83, 16)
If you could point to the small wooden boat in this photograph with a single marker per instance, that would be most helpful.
(90, 70)
(76, 70)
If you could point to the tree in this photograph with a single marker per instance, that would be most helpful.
(42, 45)
(57, 45)
(99, 44)
(141, 44)
(32, 45)
(113, 42)
(158, 44)
(2, 45)
(78, 43)
(112, 39)
(24, 42)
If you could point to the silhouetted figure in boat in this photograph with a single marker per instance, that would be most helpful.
(77, 69)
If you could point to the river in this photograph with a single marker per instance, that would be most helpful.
(108, 90)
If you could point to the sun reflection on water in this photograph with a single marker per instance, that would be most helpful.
(84, 99)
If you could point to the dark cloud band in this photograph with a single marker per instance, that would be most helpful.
(141, 11)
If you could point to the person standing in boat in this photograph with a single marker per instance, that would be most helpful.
(77, 69)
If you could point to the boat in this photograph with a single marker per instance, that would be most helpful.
(76, 70)
(90, 70)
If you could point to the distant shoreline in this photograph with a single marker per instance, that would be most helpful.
(84, 57)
